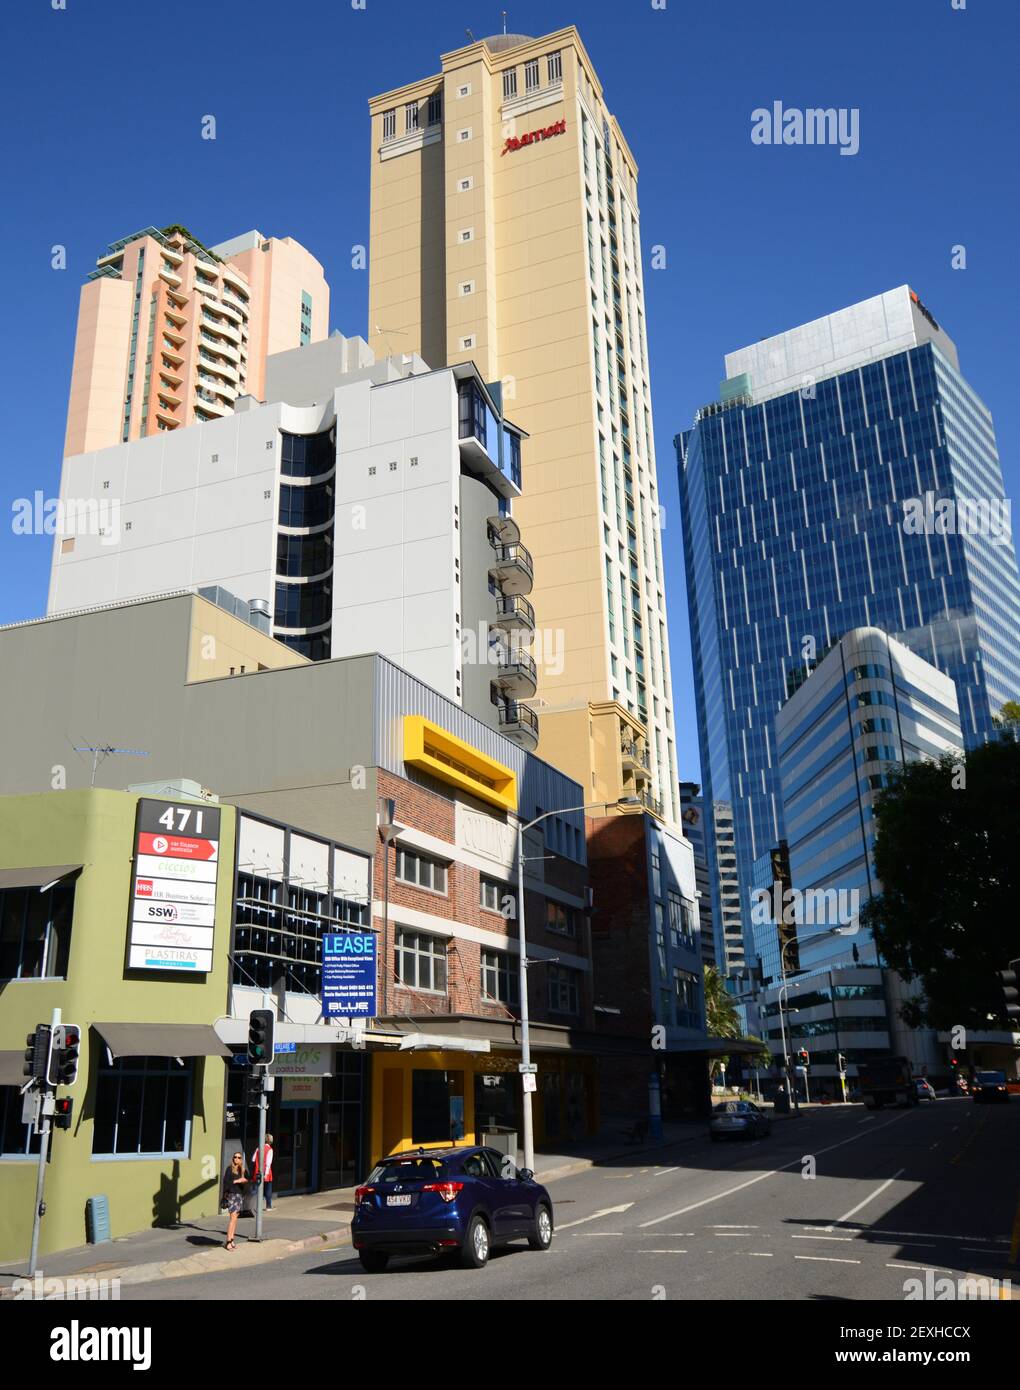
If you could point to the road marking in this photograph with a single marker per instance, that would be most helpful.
(848, 1239)
(826, 1259)
(656, 1252)
(861, 1205)
(794, 1163)
(661, 1172)
(761, 1254)
(606, 1211)
(594, 1235)
(731, 1226)
(741, 1235)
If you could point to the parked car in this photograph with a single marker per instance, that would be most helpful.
(925, 1090)
(738, 1119)
(461, 1202)
(989, 1087)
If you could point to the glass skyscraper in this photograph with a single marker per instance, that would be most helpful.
(822, 493)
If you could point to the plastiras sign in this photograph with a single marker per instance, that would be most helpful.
(514, 142)
(173, 887)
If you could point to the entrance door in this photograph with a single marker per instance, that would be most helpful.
(296, 1151)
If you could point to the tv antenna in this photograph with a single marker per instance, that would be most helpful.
(503, 13)
(384, 332)
(101, 751)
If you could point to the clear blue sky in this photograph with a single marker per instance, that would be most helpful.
(103, 108)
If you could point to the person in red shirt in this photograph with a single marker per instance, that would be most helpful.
(267, 1181)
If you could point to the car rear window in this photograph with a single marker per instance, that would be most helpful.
(407, 1169)
(991, 1078)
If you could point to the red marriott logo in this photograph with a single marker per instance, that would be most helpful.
(514, 142)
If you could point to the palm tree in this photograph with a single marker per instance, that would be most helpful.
(721, 1017)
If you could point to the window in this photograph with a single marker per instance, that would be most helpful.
(411, 116)
(531, 75)
(306, 506)
(143, 1106)
(35, 932)
(306, 455)
(509, 84)
(389, 125)
(681, 918)
(280, 931)
(420, 870)
(685, 993)
(494, 896)
(564, 990)
(560, 919)
(303, 605)
(437, 1106)
(420, 960)
(500, 977)
(304, 556)
(16, 1139)
(554, 64)
(656, 874)
(435, 108)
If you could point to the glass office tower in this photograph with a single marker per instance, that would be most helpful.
(821, 493)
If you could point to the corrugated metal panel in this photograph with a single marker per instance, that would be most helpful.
(397, 693)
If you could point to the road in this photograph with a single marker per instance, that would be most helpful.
(840, 1204)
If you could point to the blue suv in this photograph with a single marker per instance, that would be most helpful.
(460, 1201)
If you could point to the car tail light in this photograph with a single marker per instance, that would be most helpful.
(361, 1194)
(446, 1190)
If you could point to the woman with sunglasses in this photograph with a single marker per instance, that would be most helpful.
(235, 1181)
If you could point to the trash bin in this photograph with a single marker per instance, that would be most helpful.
(504, 1141)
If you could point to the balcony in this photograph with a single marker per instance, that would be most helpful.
(504, 528)
(513, 569)
(516, 674)
(635, 758)
(520, 723)
(514, 614)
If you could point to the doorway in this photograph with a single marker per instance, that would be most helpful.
(296, 1149)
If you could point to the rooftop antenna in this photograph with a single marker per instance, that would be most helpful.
(470, 35)
(503, 13)
(101, 751)
(383, 333)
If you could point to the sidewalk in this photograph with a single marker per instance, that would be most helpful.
(299, 1223)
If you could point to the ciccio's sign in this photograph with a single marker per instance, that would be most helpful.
(514, 142)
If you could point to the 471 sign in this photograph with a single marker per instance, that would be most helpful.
(173, 887)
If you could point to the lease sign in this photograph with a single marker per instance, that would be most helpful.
(173, 887)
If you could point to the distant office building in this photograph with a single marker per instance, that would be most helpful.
(811, 494)
(870, 706)
(692, 813)
(505, 231)
(365, 506)
(171, 332)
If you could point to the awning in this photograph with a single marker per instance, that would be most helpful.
(161, 1040)
(36, 878)
(12, 1069)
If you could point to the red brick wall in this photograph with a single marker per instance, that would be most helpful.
(621, 923)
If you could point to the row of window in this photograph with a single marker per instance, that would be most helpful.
(554, 75)
(412, 116)
(420, 962)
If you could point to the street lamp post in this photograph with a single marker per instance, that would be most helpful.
(526, 1110)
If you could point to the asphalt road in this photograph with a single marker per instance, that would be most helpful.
(840, 1204)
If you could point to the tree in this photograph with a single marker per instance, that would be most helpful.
(721, 1017)
(946, 856)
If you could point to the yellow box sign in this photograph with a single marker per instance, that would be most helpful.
(431, 749)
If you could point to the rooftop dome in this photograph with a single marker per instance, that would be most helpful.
(499, 43)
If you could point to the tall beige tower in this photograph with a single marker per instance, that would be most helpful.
(171, 332)
(505, 230)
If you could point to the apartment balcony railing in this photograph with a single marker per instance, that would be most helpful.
(519, 722)
(634, 756)
(513, 568)
(514, 613)
(516, 674)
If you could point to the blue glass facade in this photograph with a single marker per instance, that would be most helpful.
(793, 516)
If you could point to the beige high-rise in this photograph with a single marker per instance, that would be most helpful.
(171, 332)
(505, 230)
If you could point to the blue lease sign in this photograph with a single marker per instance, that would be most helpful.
(348, 975)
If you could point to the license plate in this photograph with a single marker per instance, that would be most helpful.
(399, 1201)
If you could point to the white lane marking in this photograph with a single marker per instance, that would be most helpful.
(594, 1235)
(662, 1172)
(865, 1120)
(731, 1226)
(870, 1198)
(794, 1163)
(935, 1269)
(932, 1235)
(826, 1259)
(914, 1244)
(741, 1235)
(848, 1239)
(656, 1252)
(606, 1211)
(761, 1254)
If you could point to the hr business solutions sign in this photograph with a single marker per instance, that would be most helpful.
(173, 887)
(348, 974)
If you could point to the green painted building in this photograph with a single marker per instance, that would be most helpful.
(147, 1124)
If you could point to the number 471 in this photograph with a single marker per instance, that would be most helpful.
(184, 814)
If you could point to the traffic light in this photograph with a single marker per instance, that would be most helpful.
(37, 1052)
(63, 1061)
(1010, 993)
(803, 1058)
(841, 1062)
(261, 1027)
(62, 1108)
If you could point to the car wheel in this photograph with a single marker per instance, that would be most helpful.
(475, 1250)
(374, 1261)
(542, 1238)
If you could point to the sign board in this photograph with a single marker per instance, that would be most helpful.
(525, 1067)
(348, 974)
(173, 886)
(301, 1088)
(530, 1081)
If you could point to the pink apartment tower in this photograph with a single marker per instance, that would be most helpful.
(171, 332)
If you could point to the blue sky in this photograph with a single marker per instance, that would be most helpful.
(104, 103)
